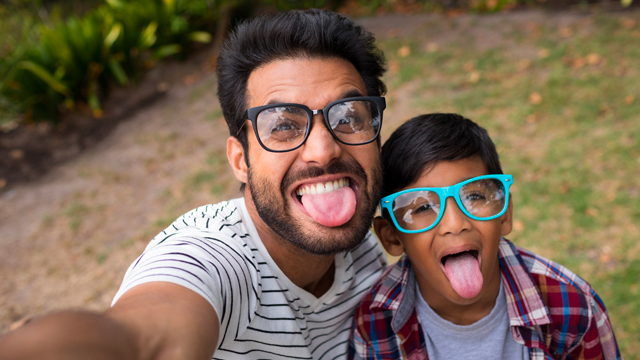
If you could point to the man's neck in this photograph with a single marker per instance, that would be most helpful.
(313, 273)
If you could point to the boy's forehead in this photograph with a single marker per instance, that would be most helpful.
(450, 172)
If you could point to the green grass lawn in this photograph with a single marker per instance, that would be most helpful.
(563, 107)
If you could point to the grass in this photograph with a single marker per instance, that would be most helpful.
(562, 105)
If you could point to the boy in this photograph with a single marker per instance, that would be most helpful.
(461, 291)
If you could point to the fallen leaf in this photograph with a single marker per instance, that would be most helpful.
(532, 119)
(628, 23)
(404, 51)
(162, 87)
(605, 258)
(535, 98)
(20, 323)
(474, 76)
(16, 154)
(543, 53)
(591, 212)
(190, 79)
(518, 225)
(524, 64)
(432, 47)
(577, 63)
(468, 66)
(593, 59)
(394, 66)
(629, 99)
(565, 32)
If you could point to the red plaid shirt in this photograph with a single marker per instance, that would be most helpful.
(552, 311)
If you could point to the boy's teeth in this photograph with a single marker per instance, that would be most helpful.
(321, 188)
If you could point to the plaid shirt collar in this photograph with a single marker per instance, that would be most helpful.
(524, 301)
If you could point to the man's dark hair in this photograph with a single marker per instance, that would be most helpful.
(418, 144)
(295, 34)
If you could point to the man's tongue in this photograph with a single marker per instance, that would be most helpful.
(463, 272)
(333, 208)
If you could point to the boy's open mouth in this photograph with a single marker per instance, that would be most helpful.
(330, 203)
(463, 271)
(473, 253)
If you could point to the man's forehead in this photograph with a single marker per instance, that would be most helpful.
(309, 81)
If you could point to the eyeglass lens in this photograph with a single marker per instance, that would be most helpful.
(283, 127)
(417, 210)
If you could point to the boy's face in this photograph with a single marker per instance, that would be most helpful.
(455, 233)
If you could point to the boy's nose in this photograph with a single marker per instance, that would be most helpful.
(453, 220)
(321, 147)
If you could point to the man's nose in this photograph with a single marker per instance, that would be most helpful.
(321, 147)
(453, 221)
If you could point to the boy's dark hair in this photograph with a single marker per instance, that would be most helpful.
(296, 34)
(418, 144)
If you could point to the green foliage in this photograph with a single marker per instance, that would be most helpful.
(70, 64)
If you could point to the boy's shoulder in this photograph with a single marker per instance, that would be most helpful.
(557, 286)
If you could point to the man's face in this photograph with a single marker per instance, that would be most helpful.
(280, 183)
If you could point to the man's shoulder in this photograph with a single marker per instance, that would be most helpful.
(222, 220)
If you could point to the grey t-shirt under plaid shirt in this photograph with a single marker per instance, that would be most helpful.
(215, 251)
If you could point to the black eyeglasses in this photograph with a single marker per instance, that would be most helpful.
(285, 127)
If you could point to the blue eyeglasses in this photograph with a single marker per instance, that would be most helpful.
(480, 198)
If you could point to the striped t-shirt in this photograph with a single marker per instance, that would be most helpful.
(215, 251)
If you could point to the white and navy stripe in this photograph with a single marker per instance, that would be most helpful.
(215, 251)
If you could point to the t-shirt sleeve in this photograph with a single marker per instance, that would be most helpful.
(221, 270)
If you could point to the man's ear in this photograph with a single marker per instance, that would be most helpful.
(506, 220)
(388, 236)
(235, 154)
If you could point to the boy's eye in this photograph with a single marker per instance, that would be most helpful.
(476, 196)
(422, 208)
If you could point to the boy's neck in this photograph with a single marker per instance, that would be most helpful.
(462, 314)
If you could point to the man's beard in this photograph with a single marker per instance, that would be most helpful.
(275, 212)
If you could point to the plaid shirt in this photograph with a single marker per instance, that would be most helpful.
(552, 311)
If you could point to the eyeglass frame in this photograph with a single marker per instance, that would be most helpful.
(252, 115)
(444, 193)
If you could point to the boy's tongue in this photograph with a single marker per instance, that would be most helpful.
(463, 272)
(333, 208)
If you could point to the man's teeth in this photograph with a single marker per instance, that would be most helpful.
(321, 188)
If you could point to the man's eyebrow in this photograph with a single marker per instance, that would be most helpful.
(348, 94)
(352, 93)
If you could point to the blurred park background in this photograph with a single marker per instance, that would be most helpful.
(110, 129)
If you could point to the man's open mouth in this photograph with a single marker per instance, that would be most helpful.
(331, 203)
(321, 188)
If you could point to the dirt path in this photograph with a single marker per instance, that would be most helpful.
(67, 239)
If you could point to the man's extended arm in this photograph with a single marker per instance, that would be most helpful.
(151, 321)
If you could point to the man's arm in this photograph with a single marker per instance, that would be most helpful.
(151, 321)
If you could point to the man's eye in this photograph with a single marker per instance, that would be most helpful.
(349, 123)
(284, 126)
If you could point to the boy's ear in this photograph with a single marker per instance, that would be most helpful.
(506, 220)
(388, 236)
(235, 154)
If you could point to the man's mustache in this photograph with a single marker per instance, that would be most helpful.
(341, 167)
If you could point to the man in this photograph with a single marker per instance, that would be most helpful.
(277, 273)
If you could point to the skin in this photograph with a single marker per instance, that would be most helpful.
(314, 83)
(166, 321)
(454, 233)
